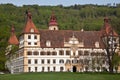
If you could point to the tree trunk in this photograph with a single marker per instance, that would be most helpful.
(110, 58)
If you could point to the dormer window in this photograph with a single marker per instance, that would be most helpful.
(97, 44)
(32, 30)
(48, 43)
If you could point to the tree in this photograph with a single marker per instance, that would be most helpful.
(110, 39)
(115, 61)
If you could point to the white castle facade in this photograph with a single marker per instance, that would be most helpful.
(55, 50)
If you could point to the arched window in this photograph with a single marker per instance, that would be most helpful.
(61, 68)
(81, 61)
(54, 68)
(29, 53)
(97, 44)
(36, 69)
(86, 53)
(67, 52)
(103, 54)
(55, 28)
(98, 53)
(48, 43)
(43, 53)
(80, 53)
(48, 69)
(36, 53)
(61, 52)
(29, 69)
(48, 53)
(74, 61)
(93, 54)
(61, 61)
(68, 61)
(31, 30)
(43, 69)
(54, 53)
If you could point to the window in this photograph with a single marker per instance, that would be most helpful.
(48, 53)
(61, 68)
(81, 61)
(48, 61)
(48, 43)
(103, 54)
(61, 52)
(54, 68)
(42, 61)
(29, 43)
(29, 69)
(54, 61)
(36, 53)
(97, 44)
(93, 54)
(35, 37)
(74, 61)
(86, 53)
(48, 69)
(43, 53)
(80, 53)
(68, 61)
(29, 36)
(55, 28)
(35, 69)
(35, 43)
(67, 52)
(36, 61)
(29, 53)
(31, 30)
(61, 61)
(42, 69)
(29, 61)
(54, 53)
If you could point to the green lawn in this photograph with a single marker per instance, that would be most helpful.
(60, 76)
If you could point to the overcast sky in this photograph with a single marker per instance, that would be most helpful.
(58, 2)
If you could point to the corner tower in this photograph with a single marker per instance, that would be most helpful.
(53, 25)
(30, 36)
(29, 40)
(13, 41)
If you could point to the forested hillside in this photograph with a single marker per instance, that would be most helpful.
(76, 17)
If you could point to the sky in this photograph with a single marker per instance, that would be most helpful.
(58, 2)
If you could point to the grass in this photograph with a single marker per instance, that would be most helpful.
(60, 76)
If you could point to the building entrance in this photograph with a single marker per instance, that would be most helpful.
(74, 68)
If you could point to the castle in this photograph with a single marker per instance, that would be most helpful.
(55, 50)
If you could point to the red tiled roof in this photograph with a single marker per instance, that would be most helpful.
(53, 21)
(13, 39)
(30, 25)
(57, 38)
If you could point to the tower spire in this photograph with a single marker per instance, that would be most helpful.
(53, 25)
(29, 15)
(13, 39)
(30, 27)
(53, 21)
